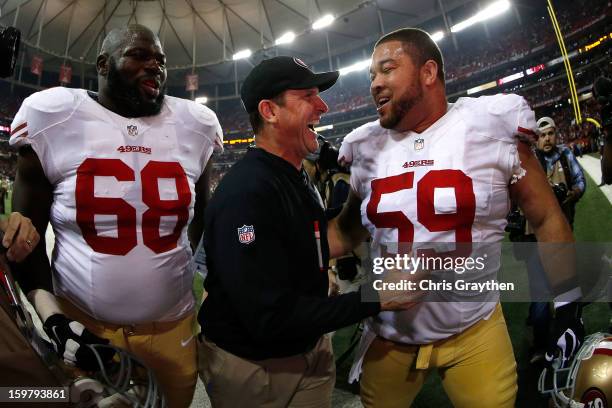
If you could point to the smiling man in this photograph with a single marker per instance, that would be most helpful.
(120, 174)
(471, 157)
(267, 311)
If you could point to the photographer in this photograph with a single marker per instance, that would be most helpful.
(567, 181)
(561, 167)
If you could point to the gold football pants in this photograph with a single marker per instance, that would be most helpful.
(166, 348)
(477, 368)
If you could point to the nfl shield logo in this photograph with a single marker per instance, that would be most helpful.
(246, 234)
(132, 130)
(419, 144)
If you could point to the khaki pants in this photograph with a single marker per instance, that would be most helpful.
(304, 380)
(477, 368)
(166, 348)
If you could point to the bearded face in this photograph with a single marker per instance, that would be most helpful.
(134, 95)
(400, 105)
(395, 86)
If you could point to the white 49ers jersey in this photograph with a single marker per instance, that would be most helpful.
(447, 184)
(124, 192)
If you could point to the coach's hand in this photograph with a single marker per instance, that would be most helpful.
(70, 339)
(567, 334)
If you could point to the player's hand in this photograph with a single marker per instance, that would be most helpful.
(20, 236)
(395, 297)
(70, 339)
(333, 288)
(567, 335)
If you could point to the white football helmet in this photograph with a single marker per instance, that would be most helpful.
(587, 382)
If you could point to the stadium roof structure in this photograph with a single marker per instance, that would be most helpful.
(205, 34)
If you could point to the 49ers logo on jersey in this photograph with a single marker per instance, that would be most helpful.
(134, 149)
(418, 163)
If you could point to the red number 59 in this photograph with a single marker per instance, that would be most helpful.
(88, 205)
(460, 221)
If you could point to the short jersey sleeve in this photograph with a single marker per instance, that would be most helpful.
(41, 111)
(509, 117)
(38, 113)
(204, 121)
(350, 153)
(211, 126)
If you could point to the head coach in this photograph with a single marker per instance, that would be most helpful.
(267, 311)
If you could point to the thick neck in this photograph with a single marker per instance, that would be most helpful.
(104, 98)
(268, 141)
(428, 111)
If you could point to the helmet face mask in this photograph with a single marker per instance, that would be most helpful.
(587, 382)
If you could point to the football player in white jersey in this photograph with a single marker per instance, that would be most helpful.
(432, 172)
(119, 175)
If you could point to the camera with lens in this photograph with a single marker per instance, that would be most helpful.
(326, 157)
(9, 49)
(516, 225)
(560, 190)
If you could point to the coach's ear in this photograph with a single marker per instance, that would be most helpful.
(102, 64)
(268, 111)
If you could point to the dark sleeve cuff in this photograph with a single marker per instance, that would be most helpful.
(370, 301)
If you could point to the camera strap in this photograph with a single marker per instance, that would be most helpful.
(566, 170)
(564, 165)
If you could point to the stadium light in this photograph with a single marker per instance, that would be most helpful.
(324, 127)
(242, 54)
(201, 99)
(437, 36)
(490, 11)
(324, 21)
(286, 38)
(358, 66)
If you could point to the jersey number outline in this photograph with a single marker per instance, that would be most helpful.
(88, 205)
(460, 221)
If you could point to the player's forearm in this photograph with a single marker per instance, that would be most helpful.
(34, 272)
(202, 197)
(337, 245)
(194, 231)
(343, 238)
(557, 252)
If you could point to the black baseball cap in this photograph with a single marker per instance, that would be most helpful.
(273, 76)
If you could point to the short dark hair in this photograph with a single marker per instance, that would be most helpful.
(256, 119)
(419, 45)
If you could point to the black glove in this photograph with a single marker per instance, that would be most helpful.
(70, 338)
(567, 334)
